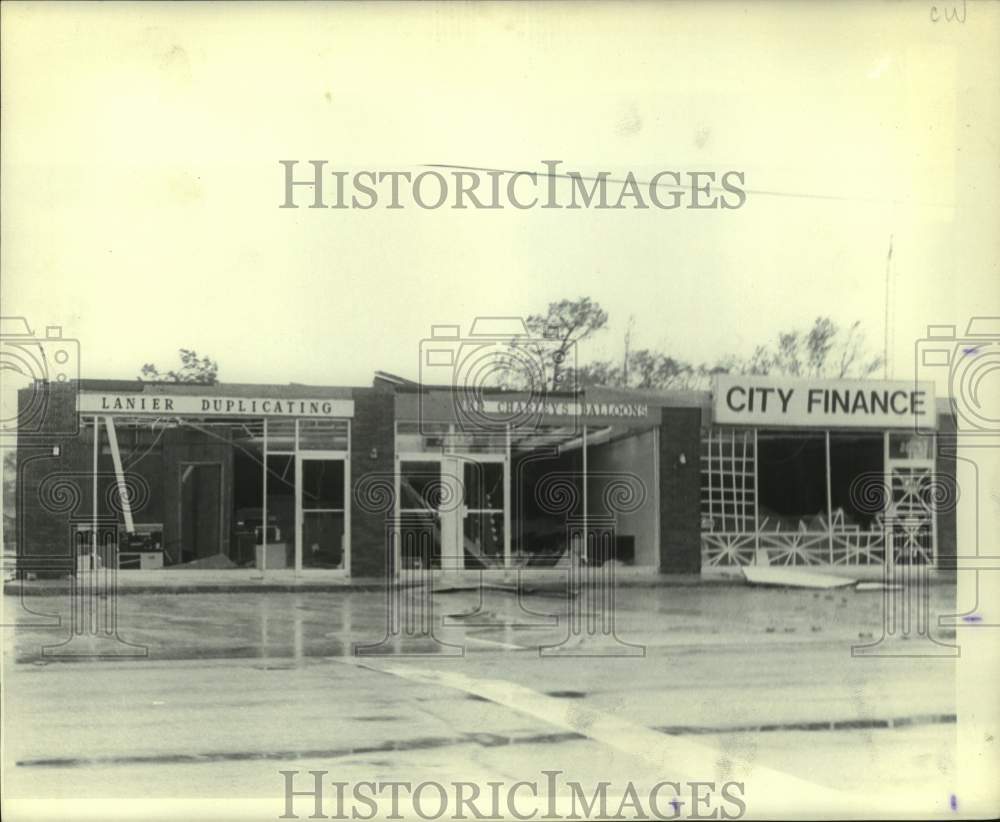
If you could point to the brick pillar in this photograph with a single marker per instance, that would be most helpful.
(946, 469)
(49, 420)
(680, 491)
(372, 450)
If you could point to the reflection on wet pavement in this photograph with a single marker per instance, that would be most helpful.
(237, 686)
(314, 625)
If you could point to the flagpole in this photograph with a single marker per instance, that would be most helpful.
(885, 345)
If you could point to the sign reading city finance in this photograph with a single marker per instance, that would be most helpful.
(201, 406)
(766, 400)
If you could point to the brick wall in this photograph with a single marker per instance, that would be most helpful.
(48, 510)
(946, 524)
(372, 428)
(680, 491)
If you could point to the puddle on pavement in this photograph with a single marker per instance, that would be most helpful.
(303, 626)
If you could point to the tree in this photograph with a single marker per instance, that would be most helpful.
(824, 350)
(9, 470)
(652, 369)
(9, 480)
(554, 335)
(194, 369)
(599, 372)
(644, 369)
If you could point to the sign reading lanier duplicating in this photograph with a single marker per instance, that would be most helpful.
(768, 400)
(193, 405)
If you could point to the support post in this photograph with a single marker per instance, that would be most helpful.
(93, 530)
(263, 532)
(116, 458)
(507, 501)
(585, 498)
(829, 500)
(756, 494)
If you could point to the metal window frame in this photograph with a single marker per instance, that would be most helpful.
(713, 466)
(440, 456)
(301, 457)
(298, 455)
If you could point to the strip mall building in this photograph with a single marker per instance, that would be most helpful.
(301, 480)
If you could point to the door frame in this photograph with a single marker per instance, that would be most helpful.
(461, 512)
(453, 519)
(401, 457)
(928, 463)
(342, 456)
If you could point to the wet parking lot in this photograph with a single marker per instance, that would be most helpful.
(711, 683)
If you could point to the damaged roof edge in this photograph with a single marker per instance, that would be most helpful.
(668, 398)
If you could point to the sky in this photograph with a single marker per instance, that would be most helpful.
(142, 184)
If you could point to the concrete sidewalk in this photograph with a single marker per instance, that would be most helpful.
(249, 580)
(243, 580)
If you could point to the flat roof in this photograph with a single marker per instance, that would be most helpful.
(666, 398)
(230, 389)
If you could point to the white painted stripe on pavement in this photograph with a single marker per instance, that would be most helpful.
(769, 791)
(499, 644)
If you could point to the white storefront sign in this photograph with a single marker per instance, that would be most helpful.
(201, 406)
(561, 408)
(770, 400)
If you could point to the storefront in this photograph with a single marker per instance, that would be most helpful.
(821, 473)
(221, 477)
(278, 480)
(496, 482)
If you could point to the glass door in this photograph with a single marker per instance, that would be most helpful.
(321, 539)
(482, 512)
(451, 512)
(420, 496)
